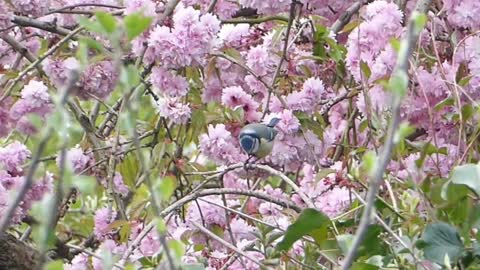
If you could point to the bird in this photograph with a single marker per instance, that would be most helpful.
(257, 139)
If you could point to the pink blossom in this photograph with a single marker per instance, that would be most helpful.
(165, 82)
(366, 42)
(103, 218)
(35, 8)
(35, 99)
(38, 190)
(5, 15)
(463, 13)
(219, 146)
(241, 230)
(59, 70)
(232, 35)
(77, 159)
(307, 99)
(259, 60)
(98, 79)
(4, 204)
(150, 244)
(234, 97)
(267, 7)
(188, 42)
(79, 262)
(119, 186)
(147, 7)
(208, 213)
(13, 156)
(174, 109)
(107, 247)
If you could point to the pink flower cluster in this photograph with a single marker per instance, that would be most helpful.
(12, 161)
(97, 81)
(220, 146)
(369, 42)
(463, 13)
(35, 8)
(35, 100)
(188, 42)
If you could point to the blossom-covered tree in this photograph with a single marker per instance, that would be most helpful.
(120, 123)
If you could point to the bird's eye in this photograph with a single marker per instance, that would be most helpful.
(247, 143)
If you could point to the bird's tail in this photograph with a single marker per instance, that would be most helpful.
(273, 122)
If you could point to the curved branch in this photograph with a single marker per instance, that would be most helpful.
(204, 193)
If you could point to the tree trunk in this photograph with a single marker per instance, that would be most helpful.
(16, 255)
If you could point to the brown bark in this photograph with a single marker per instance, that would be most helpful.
(17, 255)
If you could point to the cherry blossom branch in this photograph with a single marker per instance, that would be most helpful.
(287, 180)
(345, 18)
(27, 183)
(401, 71)
(240, 213)
(256, 20)
(212, 5)
(203, 193)
(228, 245)
(283, 57)
(20, 48)
(33, 65)
(59, 10)
(169, 8)
(88, 252)
(46, 26)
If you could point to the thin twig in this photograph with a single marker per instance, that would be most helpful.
(255, 20)
(37, 62)
(228, 245)
(287, 180)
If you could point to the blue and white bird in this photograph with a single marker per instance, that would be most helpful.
(257, 139)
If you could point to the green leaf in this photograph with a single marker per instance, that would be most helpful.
(372, 245)
(369, 162)
(135, 24)
(469, 175)
(404, 130)
(365, 69)
(395, 43)
(92, 44)
(398, 84)
(350, 26)
(465, 80)
(177, 248)
(440, 239)
(363, 266)
(54, 265)
(93, 26)
(107, 21)
(129, 77)
(419, 20)
(345, 241)
(308, 221)
(165, 187)
(86, 184)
